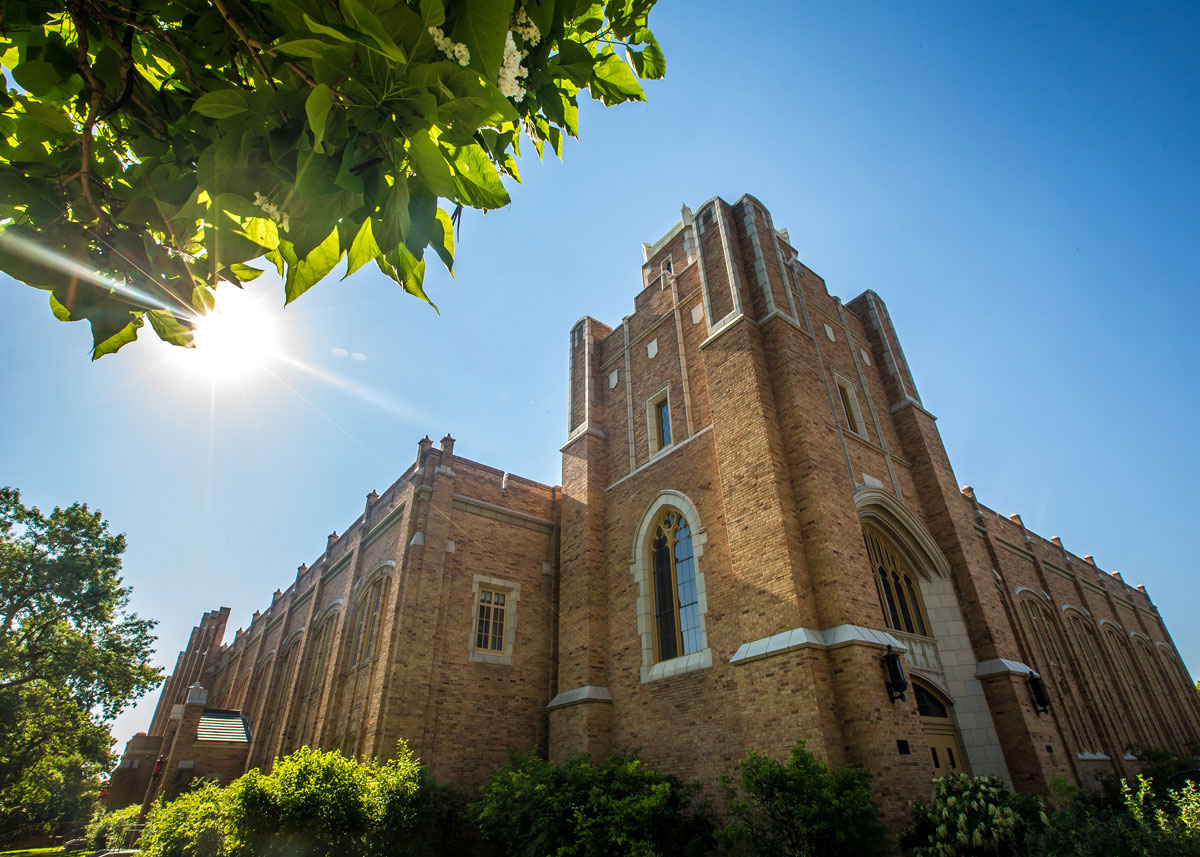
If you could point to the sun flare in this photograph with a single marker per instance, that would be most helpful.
(237, 338)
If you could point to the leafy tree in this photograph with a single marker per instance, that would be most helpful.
(71, 657)
(803, 809)
(157, 146)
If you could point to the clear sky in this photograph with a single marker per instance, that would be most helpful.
(1018, 181)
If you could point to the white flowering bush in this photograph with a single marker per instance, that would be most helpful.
(971, 816)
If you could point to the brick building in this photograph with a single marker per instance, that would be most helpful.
(755, 506)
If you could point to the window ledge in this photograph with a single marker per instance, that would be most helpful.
(491, 658)
(1093, 757)
(676, 666)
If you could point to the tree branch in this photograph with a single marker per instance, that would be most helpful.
(252, 44)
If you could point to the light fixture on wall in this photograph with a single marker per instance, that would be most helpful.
(1037, 689)
(897, 683)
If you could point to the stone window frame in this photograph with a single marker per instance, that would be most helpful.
(848, 398)
(653, 426)
(512, 593)
(640, 566)
(902, 604)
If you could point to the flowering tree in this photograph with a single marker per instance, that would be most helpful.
(155, 147)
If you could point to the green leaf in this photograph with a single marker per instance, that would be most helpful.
(261, 230)
(482, 26)
(613, 81)
(37, 77)
(430, 164)
(317, 107)
(245, 273)
(276, 259)
(369, 23)
(476, 181)
(203, 299)
(311, 48)
(108, 338)
(221, 103)
(170, 328)
(337, 31)
(444, 246)
(303, 275)
(433, 13)
(363, 249)
(60, 311)
(575, 61)
(649, 62)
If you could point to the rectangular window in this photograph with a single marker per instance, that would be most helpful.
(853, 415)
(662, 423)
(489, 627)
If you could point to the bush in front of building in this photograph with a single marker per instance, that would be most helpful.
(1138, 821)
(111, 829)
(801, 808)
(193, 825)
(312, 803)
(532, 807)
(971, 816)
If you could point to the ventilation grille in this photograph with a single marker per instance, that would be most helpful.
(221, 726)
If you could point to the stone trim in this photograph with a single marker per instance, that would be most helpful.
(803, 638)
(337, 569)
(659, 457)
(1001, 666)
(484, 509)
(878, 507)
(676, 666)
(383, 526)
(587, 693)
(1012, 548)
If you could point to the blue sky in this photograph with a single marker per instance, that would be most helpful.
(1019, 182)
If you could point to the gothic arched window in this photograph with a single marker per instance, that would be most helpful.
(899, 592)
(367, 624)
(676, 602)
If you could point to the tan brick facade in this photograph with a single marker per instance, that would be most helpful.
(769, 424)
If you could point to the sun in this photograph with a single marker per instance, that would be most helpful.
(238, 338)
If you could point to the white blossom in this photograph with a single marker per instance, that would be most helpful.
(511, 69)
(456, 51)
(525, 28)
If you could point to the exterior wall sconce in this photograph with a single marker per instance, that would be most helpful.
(158, 766)
(1037, 689)
(896, 681)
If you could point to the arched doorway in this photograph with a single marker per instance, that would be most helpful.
(937, 723)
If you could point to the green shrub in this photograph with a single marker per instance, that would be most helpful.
(1139, 824)
(971, 816)
(192, 825)
(110, 829)
(325, 805)
(533, 808)
(802, 808)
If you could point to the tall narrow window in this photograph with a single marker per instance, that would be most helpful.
(368, 619)
(676, 603)
(662, 424)
(853, 414)
(489, 627)
(896, 586)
